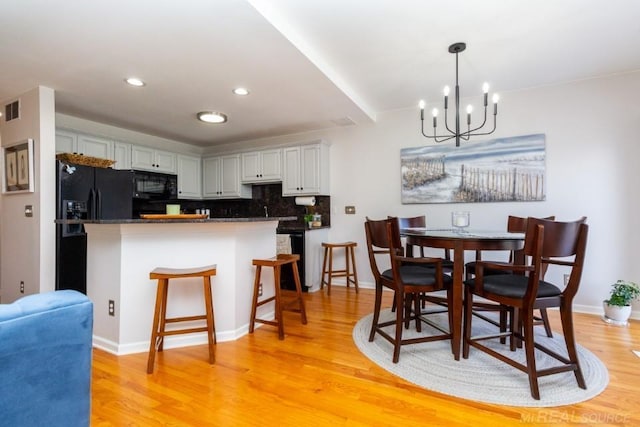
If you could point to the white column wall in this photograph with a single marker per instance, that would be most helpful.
(121, 256)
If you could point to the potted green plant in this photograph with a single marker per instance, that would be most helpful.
(308, 219)
(617, 308)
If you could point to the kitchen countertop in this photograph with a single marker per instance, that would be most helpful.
(295, 227)
(172, 221)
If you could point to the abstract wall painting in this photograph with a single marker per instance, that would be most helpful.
(510, 169)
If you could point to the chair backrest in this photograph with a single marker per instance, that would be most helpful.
(378, 242)
(412, 222)
(560, 243)
(518, 224)
(416, 221)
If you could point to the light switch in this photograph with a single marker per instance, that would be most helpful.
(350, 210)
(28, 211)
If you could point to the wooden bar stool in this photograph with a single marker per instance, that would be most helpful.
(277, 263)
(349, 271)
(160, 314)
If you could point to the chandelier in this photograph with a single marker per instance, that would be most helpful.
(458, 134)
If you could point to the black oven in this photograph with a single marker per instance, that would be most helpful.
(154, 185)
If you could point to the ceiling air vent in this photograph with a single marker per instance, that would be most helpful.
(344, 121)
(12, 111)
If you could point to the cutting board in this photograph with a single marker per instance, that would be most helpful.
(179, 216)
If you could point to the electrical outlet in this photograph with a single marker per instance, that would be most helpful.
(112, 307)
(22, 287)
(566, 279)
(260, 290)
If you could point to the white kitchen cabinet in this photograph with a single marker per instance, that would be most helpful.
(95, 146)
(262, 166)
(150, 159)
(66, 142)
(87, 145)
(189, 177)
(122, 155)
(306, 170)
(221, 178)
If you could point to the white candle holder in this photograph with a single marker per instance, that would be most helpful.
(460, 220)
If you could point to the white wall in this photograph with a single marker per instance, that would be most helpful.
(592, 151)
(28, 243)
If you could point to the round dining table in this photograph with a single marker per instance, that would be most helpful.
(460, 241)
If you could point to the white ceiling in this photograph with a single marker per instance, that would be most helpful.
(309, 64)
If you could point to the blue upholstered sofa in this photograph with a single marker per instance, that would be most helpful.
(45, 360)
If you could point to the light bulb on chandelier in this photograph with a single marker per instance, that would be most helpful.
(458, 134)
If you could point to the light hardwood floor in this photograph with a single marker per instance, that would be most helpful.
(317, 377)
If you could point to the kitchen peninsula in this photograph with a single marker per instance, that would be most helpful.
(121, 253)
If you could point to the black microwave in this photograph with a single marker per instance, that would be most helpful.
(154, 185)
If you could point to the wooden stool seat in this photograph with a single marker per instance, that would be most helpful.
(160, 314)
(276, 263)
(349, 272)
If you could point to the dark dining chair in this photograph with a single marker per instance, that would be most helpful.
(421, 222)
(407, 282)
(515, 224)
(447, 263)
(546, 243)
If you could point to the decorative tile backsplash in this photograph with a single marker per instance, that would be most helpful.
(269, 195)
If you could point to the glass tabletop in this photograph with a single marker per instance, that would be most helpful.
(465, 234)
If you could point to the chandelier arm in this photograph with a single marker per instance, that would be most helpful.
(470, 132)
(434, 136)
(444, 138)
(487, 133)
(446, 122)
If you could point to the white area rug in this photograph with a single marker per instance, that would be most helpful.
(482, 377)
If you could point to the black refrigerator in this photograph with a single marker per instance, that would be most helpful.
(84, 192)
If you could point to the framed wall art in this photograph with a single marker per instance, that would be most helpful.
(497, 170)
(18, 167)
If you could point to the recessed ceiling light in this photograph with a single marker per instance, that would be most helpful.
(134, 81)
(212, 117)
(241, 91)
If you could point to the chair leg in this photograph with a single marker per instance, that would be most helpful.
(516, 327)
(278, 314)
(545, 322)
(400, 298)
(163, 314)
(527, 320)
(376, 311)
(566, 317)
(296, 277)
(254, 306)
(160, 294)
(416, 303)
(346, 266)
(355, 272)
(468, 315)
(503, 322)
(324, 268)
(329, 278)
(211, 331)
